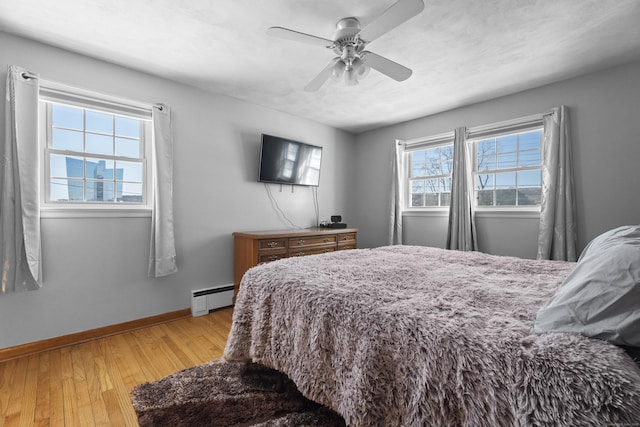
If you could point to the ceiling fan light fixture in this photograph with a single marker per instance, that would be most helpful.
(350, 78)
(360, 69)
(337, 72)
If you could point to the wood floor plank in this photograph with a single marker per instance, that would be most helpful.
(7, 371)
(100, 416)
(14, 405)
(56, 401)
(28, 407)
(90, 383)
(43, 401)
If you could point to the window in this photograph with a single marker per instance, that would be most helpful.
(430, 176)
(505, 160)
(507, 169)
(95, 152)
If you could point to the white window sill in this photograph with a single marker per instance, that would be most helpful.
(511, 213)
(426, 212)
(103, 212)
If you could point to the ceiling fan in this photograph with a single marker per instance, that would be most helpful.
(353, 62)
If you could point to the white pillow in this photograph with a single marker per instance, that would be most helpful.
(601, 297)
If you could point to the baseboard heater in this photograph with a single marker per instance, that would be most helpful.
(205, 300)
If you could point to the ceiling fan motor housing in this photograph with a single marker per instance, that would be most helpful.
(347, 44)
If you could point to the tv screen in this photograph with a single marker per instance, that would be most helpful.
(283, 161)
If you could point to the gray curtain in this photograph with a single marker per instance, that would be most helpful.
(557, 233)
(162, 253)
(19, 192)
(461, 234)
(398, 178)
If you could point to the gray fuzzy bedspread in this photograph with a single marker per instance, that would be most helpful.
(417, 336)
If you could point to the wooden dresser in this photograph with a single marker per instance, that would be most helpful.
(253, 248)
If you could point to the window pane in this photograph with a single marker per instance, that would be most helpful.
(66, 117)
(63, 190)
(67, 140)
(506, 188)
(417, 200)
(418, 156)
(530, 158)
(485, 181)
(507, 143)
(529, 196)
(99, 191)
(128, 148)
(99, 144)
(129, 192)
(485, 198)
(487, 162)
(505, 180)
(447, 152)
(529, 187)
(431, 199)
(507, 161)
(417, 186)
(99, 122)
(530, 140)
(529, 179)
(99, 169)
(445, 199)
(130, 171)
(432, 185)
(418, 170)
(447, 167)
(445, 184)
(506, 197)
(433, 155)
(127, 127)
(66, 166)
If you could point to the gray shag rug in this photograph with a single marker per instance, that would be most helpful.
(222, 393)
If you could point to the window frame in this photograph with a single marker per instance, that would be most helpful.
(507, 127)
(54, 93)
(501, 129)
(435, 141)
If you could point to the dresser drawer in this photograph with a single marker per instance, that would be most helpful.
(271, 256)
(348, 245)
(272, 244)
(347, 238)
(304, 252)
(298, 242)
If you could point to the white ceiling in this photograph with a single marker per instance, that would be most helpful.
(460, 51)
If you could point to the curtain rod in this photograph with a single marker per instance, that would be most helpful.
(27, 75)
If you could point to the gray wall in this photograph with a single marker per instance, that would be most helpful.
(95, 268)
(605, 118)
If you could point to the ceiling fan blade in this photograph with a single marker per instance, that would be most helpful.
(386, 66)
(391, 18)
(322, 77)
(297, 36)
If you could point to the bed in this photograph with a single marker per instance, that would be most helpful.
(419, 336)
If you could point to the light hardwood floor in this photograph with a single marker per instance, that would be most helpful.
(88, 384)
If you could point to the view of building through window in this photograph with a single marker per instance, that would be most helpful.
(94, 156)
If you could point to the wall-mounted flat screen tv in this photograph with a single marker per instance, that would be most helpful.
(284, 161)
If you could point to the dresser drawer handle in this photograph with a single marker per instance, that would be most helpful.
(272, 257)
(272, 244)
(300, 242)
